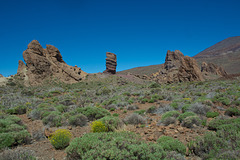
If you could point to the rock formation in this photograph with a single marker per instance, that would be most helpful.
(178, 68)
(111, 63)
(42, 64)
(210, 68)
(1, 75)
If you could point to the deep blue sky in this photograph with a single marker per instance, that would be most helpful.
(139, 31)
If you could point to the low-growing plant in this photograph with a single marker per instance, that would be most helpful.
(98, 126)
(18, 154)
(113, 145)
(171, 144)
(170, 114)
(93, 113)
(78, 120)
(141, 112)
(185, 115)
(60, 138)
(152, 109)
(132, 107)
(112, 123)
(232, 111)
(135, 119)
(190, 121)
(212, 114)
(199, 108)
(54, 119)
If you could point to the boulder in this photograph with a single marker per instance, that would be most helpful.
(210, 68)
(43, 64)
(178, 68)
(111, 63)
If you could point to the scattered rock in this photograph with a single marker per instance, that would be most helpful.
(42, 64)
(111, 63)
(210, 68)
(178, 68)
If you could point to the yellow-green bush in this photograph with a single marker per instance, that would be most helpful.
(60, 138)
(98, 126)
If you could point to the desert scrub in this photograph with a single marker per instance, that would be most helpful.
(135, 119)
(60, 138)
(141, 112)
(190, 121)
(18, 154)
(232, 111)
(113, 146)
(170, 114)
(111, 123)
(171, 144)
(12, 132)
(217, 122)
(98, 126)
(54, 119)
(78, 120)
(212, 114)
(199, 108)
(185, 115)
(94, 113)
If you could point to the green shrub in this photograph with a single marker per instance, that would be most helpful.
(207, 146)
(154, 85)
(140, 112)
(61, 108)
(19, 153)
(190, 121)
(232, 111)
(98, 126)
(170, 114)
(115, 114)
(12, 132)
(113, 145)
(216, 123)
(17, 110)
(174, 105)
(185, 108)
(151, 109)
(184, 115)
(151, 100)
(112, 123)
(54, 119)
(171, 144)
(135, 119)
(78, 120)
(60, 138)
(212, 114)
(93, 113)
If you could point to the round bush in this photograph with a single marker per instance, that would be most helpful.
(184, 115)
(78, 120)
(170, 114)
(212, 114)
(190, 121)
(98, 126)
(113, 146)
(171, 144)
(60, 138)
(93, 113)
(112, 123)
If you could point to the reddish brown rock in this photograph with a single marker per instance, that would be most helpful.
(43, 64)
(111, 63)
(210, 68)
(178, 68)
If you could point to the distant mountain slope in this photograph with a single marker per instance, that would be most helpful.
(146, 70)
(225, 53)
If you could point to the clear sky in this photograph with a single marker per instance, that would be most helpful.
(139, 32)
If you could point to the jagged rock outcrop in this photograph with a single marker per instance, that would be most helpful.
(178, 68)
(42, 64)
(111, 63)
(210, 68)
(1, 75)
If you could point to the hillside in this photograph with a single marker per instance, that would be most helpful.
(146, 70)
(225, 53)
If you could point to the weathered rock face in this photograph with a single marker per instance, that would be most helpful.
(178, 68)
(210, 68)
(1, 75)
(111, 63)
(42, 64)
